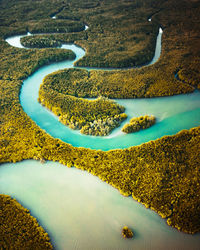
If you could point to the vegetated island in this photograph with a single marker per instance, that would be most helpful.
(92, 117)
(20, 230)
(138, 123)
(41, 42)
(127, 232)
(162, 174)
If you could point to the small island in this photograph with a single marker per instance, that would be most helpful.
(39, 42)
(126, 232)
(138, 123)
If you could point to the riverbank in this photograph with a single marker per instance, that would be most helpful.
(77, 207)
(19, 230)
(166, 163)
(154, 173)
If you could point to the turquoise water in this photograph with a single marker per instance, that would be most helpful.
(81, 212)
(78, 210)
(173, 113)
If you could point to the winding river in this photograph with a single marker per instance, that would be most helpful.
(81, 212)
(173, 113)
(78, 210)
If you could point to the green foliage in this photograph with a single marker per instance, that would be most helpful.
(94, 117)
(132, 47)
(115, 83)
(123, 38)
(20, 63)
(138, 123)
(103, 126)
(126, 232)
(19, 230)
(163, 174)
(35, 42)
(119, 35)
(55, 25)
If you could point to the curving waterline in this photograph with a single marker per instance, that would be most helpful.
(35, 187)
(173, 113)
(80, 212)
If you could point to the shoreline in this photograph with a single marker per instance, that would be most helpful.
(23, 139)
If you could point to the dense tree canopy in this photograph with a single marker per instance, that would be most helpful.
(138, 123)
(19, 230)
(163, 174)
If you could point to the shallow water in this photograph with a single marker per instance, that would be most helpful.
(173, 113)
(78, 210)
(81, 212)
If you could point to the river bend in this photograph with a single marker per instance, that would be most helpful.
(69, 202)
(173, 113)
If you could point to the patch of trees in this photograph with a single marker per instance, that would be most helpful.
(103, 126)
(19, 230)
(163, 174)
(94, 117)
(127, 40)
(119, 35)
(20, 63)
(190, 76)
(55, 26)
(35, 42)
(126, 232)
(138, 123)
(116, 83)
